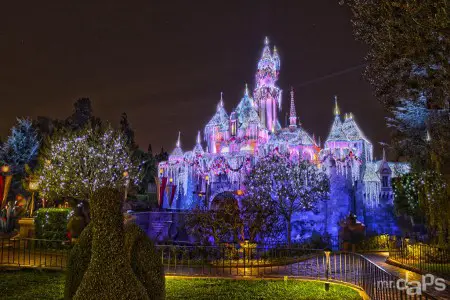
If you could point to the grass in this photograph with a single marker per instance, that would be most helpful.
(31, 284)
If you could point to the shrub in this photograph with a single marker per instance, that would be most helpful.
(145, 261)
(120, 247)
(109, 274)
(78, 262)
(51, 223)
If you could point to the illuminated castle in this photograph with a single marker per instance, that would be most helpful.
(235, 141)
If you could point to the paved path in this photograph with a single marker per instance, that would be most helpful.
(380, 260)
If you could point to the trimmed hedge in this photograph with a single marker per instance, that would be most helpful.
(78, 262)
(51, 223)
(145, 261)
(113, 261)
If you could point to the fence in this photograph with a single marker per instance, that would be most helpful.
(232, 261)
(34, 253)
(423, 258)
(279, 262)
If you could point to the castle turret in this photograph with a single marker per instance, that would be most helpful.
(336, 137)
(363, 146)
(267, 94)
(177, 152)
(198, 149)
(216, 129)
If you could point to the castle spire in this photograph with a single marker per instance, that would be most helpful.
(266, 41)
(276, 58)
(179, 140)
(292, 114)
(337, 112)
(384, 154)
(198, 137)
(220, 105)
(246, 90)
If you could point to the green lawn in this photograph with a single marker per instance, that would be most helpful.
(29, 284)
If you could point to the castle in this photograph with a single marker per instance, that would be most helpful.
(235, 141)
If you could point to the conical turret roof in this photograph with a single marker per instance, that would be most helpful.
(246, 110)
(177, 151)
(220, 118)
(351, 129)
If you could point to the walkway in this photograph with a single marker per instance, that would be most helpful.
(380, 260)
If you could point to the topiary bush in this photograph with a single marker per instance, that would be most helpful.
(95, 270)
(145, 261)
(51, 223)
(78, 262)
(109, 274)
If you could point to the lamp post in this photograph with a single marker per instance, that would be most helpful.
(206, 191)
(33, 187)
(127, 182)
(7, 176)
(327, 252)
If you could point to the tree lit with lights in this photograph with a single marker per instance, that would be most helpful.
(77, 163)
(294, 186)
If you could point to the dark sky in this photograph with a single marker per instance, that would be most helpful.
(165, 63)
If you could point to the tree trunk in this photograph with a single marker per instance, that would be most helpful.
(289, 229)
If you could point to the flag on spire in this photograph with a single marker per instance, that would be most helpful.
(292, 114)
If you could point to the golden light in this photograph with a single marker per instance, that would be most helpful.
(206, 177)
(160, 171)
(33, 185)
(171, 180)
(5, 168)
(125, 174)
(239, 192)
(19, 197)
(47, 161)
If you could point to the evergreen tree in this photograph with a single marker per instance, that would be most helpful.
(162, 156)
(127, 131)
(408, 68)
(82, 115)
(21, 147)
(425, 195)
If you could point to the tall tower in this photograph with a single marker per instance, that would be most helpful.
(266, 94)
(292, 112)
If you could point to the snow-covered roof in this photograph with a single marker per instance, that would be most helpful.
(176, 153)
(351, 129)
(336, 132)
(294, 136)
(246, 111)
(220, 118)
(198, 149)
(371, 172)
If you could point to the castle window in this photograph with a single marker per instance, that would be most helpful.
(385, 181)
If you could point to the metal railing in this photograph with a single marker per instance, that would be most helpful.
(27, 252)
(232, 261)
(422, 257)
(346, 267)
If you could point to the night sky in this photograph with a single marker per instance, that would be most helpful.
(165, 63)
